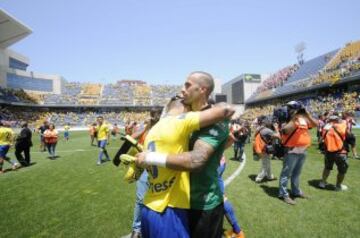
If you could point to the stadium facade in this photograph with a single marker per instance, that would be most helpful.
(13, 66)
(239, 89)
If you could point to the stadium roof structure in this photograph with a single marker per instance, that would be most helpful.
(11, 30)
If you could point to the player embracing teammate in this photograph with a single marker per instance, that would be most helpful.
(198, 195)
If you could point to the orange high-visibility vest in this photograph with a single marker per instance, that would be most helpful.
(259, 144)
(334, 137)
(299, 138)
(51, 136)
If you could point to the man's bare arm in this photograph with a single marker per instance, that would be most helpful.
(193, 160)
(216, 114)
(313, 122)
(288, 128)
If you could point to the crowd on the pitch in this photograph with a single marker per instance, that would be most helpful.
(180, 191)
(285, 134)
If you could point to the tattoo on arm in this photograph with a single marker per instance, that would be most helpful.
(193, 160)
(200, 155)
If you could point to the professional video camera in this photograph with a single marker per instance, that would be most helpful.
(283, 114)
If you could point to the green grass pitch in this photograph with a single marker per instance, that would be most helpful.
(73, 197)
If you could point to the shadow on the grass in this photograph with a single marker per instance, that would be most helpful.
(252, 177)
(31, 164)
(23, 166)
(271, 191)
(233, 159)
(315, 183)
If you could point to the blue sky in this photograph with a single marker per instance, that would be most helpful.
(161, 41)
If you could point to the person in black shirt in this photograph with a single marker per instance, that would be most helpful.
(23, 144)
(41, 130)
(240, 133)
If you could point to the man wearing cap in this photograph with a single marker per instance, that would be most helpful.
(296, 139)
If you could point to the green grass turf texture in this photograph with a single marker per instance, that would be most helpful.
(73, 197)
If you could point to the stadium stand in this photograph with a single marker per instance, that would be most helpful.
(312, 66)
(333, 99)
(61, 117)
(142, 95)
(113, 94)
(350, 51)
(162, 93)
(90, 94)
(322, 71)
(274, 81)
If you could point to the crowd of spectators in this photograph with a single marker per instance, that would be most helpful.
(15, 115)
(337, 100)
(344, 63)
(344, 69)
(97, 94)
(162, 93)
(120, 93)
(70, 92)
(17, 95)
(277, 79)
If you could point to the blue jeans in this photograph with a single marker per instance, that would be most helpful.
(51, 149)
(141, 188)
(102, 145)
(238, 150)
(292, 166)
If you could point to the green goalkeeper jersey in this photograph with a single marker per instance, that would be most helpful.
(205, 193)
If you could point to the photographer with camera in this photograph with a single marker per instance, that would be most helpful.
(296, 139)
(263, 146)
(335, 135)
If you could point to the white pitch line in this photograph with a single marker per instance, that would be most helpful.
(237, 172)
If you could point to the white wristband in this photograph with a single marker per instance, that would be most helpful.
(154, 158)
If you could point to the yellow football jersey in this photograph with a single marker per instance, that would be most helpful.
(169, 187)
(6, 136)
(66, 128)
(102, 132)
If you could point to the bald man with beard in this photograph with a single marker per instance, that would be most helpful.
(206, 147)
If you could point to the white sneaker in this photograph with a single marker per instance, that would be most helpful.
(322, 184)
(98, 163)
(258, 179)
(341, 188)
(15, 166)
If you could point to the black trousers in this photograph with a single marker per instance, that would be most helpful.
(206, 224)
(24, 161)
